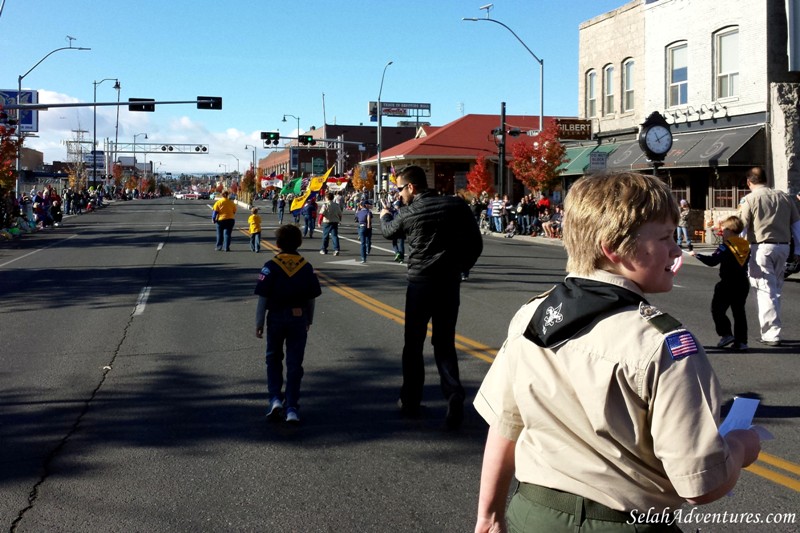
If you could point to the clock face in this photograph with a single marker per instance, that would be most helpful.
(658, 139)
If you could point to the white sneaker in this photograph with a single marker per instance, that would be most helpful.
(725, 341)
(275, 409)
(291, 415)
(323, 252)
(336, 252)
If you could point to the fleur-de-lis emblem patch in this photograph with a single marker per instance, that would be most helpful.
(552, 317)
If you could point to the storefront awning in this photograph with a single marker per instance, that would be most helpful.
(574, 155)
(580, 156)
(624, 157)
(719, 148)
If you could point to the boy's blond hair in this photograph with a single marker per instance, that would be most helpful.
(608, 209)
(254, 210)
(732, 223)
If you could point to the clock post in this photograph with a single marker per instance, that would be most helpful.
(655, 139)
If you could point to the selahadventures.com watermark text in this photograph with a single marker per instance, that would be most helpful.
(698, 517)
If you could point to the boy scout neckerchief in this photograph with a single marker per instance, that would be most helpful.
(289, 263)
(573, 305)
(740, 249)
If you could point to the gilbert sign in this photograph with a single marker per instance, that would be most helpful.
(574, 129)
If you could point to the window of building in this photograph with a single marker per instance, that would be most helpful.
(608, 90)
(726, 55)
(627, 85)
(591, 94)
(677, 75)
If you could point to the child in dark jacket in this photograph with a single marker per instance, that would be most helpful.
(731, 291)
(286, 288)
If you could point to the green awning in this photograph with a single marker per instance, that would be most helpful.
(580, 156)
(574, 157)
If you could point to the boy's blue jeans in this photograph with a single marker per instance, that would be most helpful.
(255, 241)
(330, 231)
(365, 236)
(285, 328)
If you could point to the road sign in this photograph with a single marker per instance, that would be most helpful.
(29, 121)
(597, 161)
(95, 158)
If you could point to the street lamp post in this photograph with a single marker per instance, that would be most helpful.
(380, 135)
(540, 61)
(117, 86)
(237, 162)
(297, 168)
(255, 170)
(19, 111)
(134, 151)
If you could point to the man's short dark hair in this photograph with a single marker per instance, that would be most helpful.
(288, 238)
(329, 196)
(415, 176)
(756, 176)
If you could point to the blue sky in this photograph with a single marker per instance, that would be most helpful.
(268, 58)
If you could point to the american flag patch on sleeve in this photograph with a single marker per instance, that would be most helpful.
(681, 344)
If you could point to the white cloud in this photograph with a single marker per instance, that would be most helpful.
(58, 125)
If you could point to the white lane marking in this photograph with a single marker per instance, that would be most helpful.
(35, 251)
(142, 301)
(160, 246)
(387, 250)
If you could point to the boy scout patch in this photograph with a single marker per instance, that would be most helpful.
(681, 344)
(661, 321)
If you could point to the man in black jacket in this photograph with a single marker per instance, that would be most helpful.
(445, 241)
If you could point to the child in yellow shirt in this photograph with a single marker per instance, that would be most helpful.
(255, 230)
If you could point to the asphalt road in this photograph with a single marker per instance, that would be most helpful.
(132, 386)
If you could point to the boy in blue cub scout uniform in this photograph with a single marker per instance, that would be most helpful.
(734, 285)
(605, 408)
(286, 288)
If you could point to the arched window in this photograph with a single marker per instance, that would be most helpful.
(677, 74)
(591, 94)
(608, 90)
(627, 85)
(726, 63)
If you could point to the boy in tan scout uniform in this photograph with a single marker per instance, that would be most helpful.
(604, 407)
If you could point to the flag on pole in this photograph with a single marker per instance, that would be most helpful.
(314, 186)
(293, 187)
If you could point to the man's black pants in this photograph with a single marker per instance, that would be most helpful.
(435, 301)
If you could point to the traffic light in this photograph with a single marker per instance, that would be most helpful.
(209, 102)
(271, 137)
(306, 139)
(141, 104)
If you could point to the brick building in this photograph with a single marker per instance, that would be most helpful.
(346, 147)
(719, 72)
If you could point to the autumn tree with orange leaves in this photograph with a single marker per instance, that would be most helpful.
(479, 179)
(363, 179)
(536, 163)
(248, 186)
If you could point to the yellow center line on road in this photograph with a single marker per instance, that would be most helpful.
(486, 353)
(773, 476)
(465, 344)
